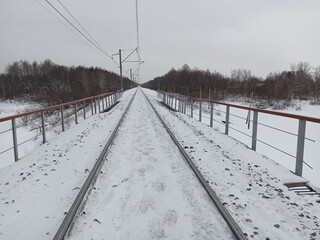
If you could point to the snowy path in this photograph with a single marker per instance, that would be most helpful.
(146, 189)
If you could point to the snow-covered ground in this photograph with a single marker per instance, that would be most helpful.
(145, 189)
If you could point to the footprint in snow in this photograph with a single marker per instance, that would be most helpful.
(156, 230)
(159, 186)
(142, 172)
(145, 205)
(170, 217)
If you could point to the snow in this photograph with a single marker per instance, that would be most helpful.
(145, 189)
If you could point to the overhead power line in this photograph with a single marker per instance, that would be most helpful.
(102, 49)
(97, 46)
(68, 27)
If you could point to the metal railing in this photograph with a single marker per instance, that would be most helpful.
(193, 107)
(50, 117)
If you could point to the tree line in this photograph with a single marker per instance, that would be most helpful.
(49, 83)
(301, 82)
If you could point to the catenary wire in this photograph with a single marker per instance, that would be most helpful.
(107, 55)
(69, 28)
(92, 38)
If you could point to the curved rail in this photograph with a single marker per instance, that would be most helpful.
(65, 225)
(224, 212)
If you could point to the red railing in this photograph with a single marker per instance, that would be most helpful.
(101, 101)
(186, 105)
(93, 98)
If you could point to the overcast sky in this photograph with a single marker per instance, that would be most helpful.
(220, 35)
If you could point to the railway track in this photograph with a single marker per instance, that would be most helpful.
(141, 180)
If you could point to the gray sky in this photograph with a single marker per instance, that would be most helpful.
(261, 35)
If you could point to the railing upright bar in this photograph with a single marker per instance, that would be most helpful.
(91, 106)
(99, 108)
(15, 142)
(200, 111)
(75, 114)
(226, 131)
(95, 105)
(211, 114)
(43, 128)
(175, 104)
(300, 147)
(185, 105)
(62, 120)
(102, 100)
(191, 108)
(84, 109)
(254, 131)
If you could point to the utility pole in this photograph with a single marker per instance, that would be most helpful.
(120, 61)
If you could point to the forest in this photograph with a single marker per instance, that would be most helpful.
(301, 82)
(49, 83)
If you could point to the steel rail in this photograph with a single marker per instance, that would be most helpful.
(224, 212)
(65, 225)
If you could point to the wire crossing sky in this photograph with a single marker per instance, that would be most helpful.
(261, 36)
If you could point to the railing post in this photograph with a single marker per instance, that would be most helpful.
(226, 131)
(15, 142)
(75, 113)
(91, 106)
(106, 98)
(43, 128)
(185, 105)
(95, 105)
(62, 120)
(191, 108)
(211, 114)
(99, 108)
(164, 98)
(109, 103)
(182, 104)
(175, 104)
(254, 131)
(200, 111)
(300, 147)
(102, 100)
(84, 109)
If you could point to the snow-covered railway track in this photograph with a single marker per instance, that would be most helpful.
(224, 212)
(145, 190)
(68, 220)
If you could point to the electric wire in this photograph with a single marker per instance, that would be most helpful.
(92, 38)
(65, 18)
(69, 28)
